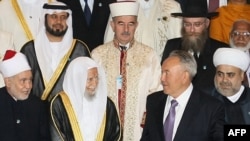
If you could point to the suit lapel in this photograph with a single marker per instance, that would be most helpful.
(159, 120)
(192, 108)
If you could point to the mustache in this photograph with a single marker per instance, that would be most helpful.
(225, 84)
(125, 33)
(58, 25)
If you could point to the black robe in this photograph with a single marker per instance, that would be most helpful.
(25, 120)
(204, 79)
(238, 112)
(59, 116)
(80, 49)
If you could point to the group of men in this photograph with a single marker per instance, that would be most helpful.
(119, 90)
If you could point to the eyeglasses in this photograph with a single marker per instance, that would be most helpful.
(243, 34)
(195, 24)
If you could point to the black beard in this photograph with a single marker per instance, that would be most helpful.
(56, 33)
(196, 44)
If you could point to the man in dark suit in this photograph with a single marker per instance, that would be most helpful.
(93, 33)
(195, 40)
(198, 117)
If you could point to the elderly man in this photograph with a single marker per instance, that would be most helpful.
(181, 112)
(132, 68)
(52, 50)
(85, 88)
(195, 39)
(230, 66)
(240, 39)
(23, 115)
(220, 26)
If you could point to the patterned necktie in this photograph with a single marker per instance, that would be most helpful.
(87, 12)
(122, 91)
(169, 122)
(213, 5)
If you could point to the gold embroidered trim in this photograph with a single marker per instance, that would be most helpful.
(52, 117)
(58, 72)
(73, 120)
(72, 117)
(22, 19)
(101, 132)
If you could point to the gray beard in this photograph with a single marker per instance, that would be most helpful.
(195, 44)
(245, 48)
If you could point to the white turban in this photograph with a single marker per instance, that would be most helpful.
(13, 63)
(124, 8)
(231, 56)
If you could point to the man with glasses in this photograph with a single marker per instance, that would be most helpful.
(220, 26)
(239, 38)
(195, 39)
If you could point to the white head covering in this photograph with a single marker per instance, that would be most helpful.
(124, 8)
(89, 112)
(49, 57)
(13, 63)
(231, 56)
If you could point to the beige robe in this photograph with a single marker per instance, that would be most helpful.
(22, 26)
(6, 42)
(157, 26)
(143, 77)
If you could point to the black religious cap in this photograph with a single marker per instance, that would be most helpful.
(195, 8)
(55, 5)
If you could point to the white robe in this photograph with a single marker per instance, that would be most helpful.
(10, 22)
(143, 78)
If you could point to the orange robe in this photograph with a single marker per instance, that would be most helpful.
(221, 25)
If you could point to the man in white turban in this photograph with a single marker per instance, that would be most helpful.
(82, 111)
(52, 49)
(155, 24)
(133, 69)
(231, 65)
(23, 115)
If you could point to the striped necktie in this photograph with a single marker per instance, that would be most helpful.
(169, 122)
(87, 12)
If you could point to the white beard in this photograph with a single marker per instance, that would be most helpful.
(245, 48)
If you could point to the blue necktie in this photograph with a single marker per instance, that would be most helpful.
(169, 122)
(87, 12)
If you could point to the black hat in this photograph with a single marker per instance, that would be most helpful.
(195, 8)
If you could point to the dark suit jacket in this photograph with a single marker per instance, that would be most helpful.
(204, 79)
(202, 120)
(93, 34)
